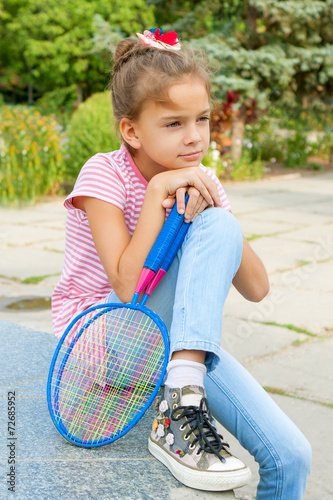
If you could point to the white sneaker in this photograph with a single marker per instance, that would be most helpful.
(185, 440)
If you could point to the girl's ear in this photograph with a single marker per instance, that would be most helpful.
(128, 132)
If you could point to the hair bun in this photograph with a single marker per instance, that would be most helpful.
(124, 50)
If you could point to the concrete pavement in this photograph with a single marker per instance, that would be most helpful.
(284, 341)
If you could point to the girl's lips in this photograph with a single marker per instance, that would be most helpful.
(191, 156)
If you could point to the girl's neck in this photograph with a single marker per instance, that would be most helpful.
(145, 167)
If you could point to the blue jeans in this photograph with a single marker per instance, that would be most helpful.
(190, 301)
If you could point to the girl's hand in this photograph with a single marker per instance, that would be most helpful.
(202, 190)
(196, 202)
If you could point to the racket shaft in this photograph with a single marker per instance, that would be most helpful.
(165, 239)
(169, 258)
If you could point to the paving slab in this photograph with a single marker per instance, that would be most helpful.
(29, 319)
(283, 306)
(287, 254)
(248, 340)
(19, 235)
(277, 200)
(30, 262)
(45, 211)
(317, 184)
(251, 227)
(322, 234)
(10, 288)
(286, 215)
(322, 207)
(304, 370)
(315, 276)
(47, 467)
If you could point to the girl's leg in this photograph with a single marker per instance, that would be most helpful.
(208, 260)
(243, 407)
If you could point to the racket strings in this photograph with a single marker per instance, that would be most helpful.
(109, 375)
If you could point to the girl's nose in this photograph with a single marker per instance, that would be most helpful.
(192, 135)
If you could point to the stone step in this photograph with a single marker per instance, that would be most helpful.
(47, 467)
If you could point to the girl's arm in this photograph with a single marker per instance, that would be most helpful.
(251, 279)
(123, 256)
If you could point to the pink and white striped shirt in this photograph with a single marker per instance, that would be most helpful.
(114, 178)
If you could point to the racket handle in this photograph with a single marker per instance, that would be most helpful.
(161, 247)
(169, 258)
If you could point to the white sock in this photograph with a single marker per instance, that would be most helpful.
(181, 372)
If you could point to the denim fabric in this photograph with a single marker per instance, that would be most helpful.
(190, 301)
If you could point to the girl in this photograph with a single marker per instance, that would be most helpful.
(161, 102)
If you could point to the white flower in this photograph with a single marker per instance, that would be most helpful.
(213, 145)
(163, 406)
(215, 154)
(160, 430)
(170, 439)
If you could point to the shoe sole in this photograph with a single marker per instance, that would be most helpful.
(200, 480)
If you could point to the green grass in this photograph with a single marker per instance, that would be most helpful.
(300, 342)
(34, 280)
(289, 327)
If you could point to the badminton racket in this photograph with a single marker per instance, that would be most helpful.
(112, 358)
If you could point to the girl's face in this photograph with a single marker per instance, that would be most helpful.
(173, 135)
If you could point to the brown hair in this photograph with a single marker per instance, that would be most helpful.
(141, 73)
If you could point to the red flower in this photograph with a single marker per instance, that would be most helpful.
(170, 37)
(167, 422)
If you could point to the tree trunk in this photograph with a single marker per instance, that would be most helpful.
(251, 21)
(79, 95)
(237, 134)
(30, 88)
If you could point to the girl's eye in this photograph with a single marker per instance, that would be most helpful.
(173, 125)
(204, 119)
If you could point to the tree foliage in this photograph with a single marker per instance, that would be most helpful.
(48, 45)
(265, 51)
(270, 50)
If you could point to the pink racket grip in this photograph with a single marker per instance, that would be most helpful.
(155, 281)
(145, 277)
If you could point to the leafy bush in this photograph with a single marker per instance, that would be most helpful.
(30, 155)
(91, 130)
(246, 168)
(59, 102)
(291, 147)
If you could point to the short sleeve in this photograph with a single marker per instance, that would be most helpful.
(223, 197)
(99, 178)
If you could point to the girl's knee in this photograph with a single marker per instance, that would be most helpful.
(221, 223)
(301, 455)
(291, 460)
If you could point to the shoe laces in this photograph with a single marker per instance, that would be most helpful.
(199, 419)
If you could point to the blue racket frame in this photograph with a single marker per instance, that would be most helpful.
(55, 415)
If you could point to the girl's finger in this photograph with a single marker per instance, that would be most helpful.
(201, 206)
(212, 189)
(193, 196)
(200, 186)
(168, 203)
(180, 197)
